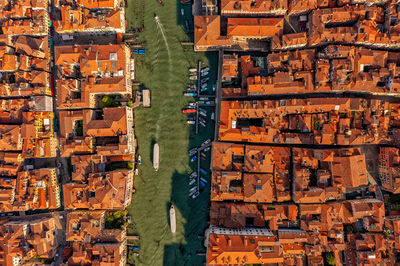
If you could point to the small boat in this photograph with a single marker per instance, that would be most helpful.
(187, 28)
(204, 89)
(191, 118)
(206, 142)
(207, 149)
(204, 85)
(204, 180)
(182, 11)
(202, 120)
(190, 90)
(203, 113)
(192, 181)
(193, 77)
(203, 74)
(192, 69)
(202, 183)
(204, 80)
(212, 116)
(206, 69)
(195, 195)
(193, 189)
(193, 158)
(172, 218)
(192, 74)
(188, 111)
(191, 122)
(192, 152)
(139, 160)
(193, 175)
(213, 88)
(185, 1)
(203, 110)
(192, 105)
(156, 156)
(189, 94)
(192, 86)
(203, 124)
(204, 172)
(191, 193)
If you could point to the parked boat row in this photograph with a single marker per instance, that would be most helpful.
(200, 83)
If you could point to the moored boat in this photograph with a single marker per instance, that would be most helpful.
(156, 156)
(195, 195)
(205, 69)
(204, 80)
(172, 218)
(188, 111)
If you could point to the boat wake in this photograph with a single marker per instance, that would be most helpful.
(161, 28)
(162, 31)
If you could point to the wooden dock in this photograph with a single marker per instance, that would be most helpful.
(198, 93)
(199, 150)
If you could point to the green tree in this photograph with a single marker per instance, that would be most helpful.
(330, 258)
(79, 128)
(106, 101)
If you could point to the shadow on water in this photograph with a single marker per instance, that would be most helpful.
(194, 213)
(186, 21)
(152, 143)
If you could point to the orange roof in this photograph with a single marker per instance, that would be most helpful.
(102, 191)
(249, 7)
(242, 247)
(254, 27)
(272, 121)
(84, 18)
(97, 254)
(26, 239)
(207, 33)
(98, 3)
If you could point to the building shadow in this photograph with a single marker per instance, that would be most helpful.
(152, 143)
(185, 19)
(192, 214)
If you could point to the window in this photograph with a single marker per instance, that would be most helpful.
(92, 194)
(113, 56)
(258, 187)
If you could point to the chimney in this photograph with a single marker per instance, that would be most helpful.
(229, 241)
(245, 241)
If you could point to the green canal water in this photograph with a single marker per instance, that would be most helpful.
(164, 70)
